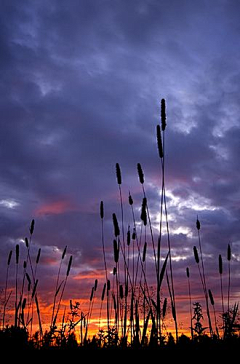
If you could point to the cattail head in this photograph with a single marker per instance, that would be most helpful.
(91, 296)
(64, 252)
(211, 297)
(17, 253)
(101, 210)
(108, 285)
(24, 303)
(31, 229)
(198, 224)
(130, 200)
(159, 142)
(134, 234)
(95, 285)
(143, 211)
(121, 291)
(220, 264)
(115, 225)
(26, 242)
(38, 255)
(128, 236)
(229, 254)
(163, 114)
(103, 292)
(114, 271)
(115, 250)
(24, 264)
(69, 265)
(140, 173)
(196, 254)
(144, 252)
(118, 173)
(9, 257)
(164, 309)
(187, 271)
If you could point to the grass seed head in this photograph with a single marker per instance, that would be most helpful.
(220, 264)
(115, 225)
(163, 114)
(196, 254)
(229, 254)
(187, 271)
(118, 173)
(159, 142)
(9, 257)
(140, 173)
(101, 210)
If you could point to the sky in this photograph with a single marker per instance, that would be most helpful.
(81, 87)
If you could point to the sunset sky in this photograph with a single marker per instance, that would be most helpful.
(81, 86)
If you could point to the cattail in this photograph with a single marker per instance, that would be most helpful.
(32, 227)
(187, 271)
(143, 211)
(198, 224)
(121, 291)
(115, 225)
(9, 257)
(164, 310)
(34, 288)
(26, 242)
(91, 296)
(134, 234)
(140, 173)
(69, 265)
(103, 292)
(128, 236)
(38, 256)
(64, 252)
(229, 254)
(108, 285)
(211, 297)
(130, 200)
(118, 173)
(159, 142)
(196, 254)
(220, 265)
(17, 254)
(101, 210)
(116, 250)
(114, 271)
(24, 303)
(95, 285)
(144, 252)
(163, 114)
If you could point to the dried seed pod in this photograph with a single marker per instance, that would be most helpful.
(9, 257)
(32, 227)
(198, 224)
(118, 173)
(69, 265)
(143, 211)
(211, 297)
(64, 252)
(17, 253)
(159, 142)
(196, 254)
(144, 252)
(115, 225)
(130, 200)
(140, 173)
(229, 254)
(115, 250)
(220, 264)
(38, 255)
(101, 210)
(163, 114)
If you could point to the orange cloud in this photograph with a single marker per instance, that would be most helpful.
(55, 208)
